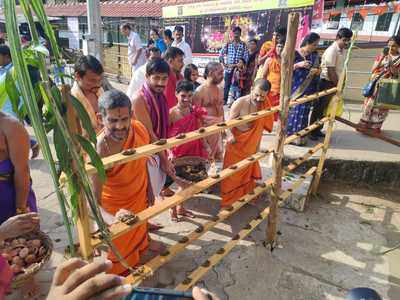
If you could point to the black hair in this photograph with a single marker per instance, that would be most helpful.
(112, 99)
(126, 26)
(172, 53)
(253, 41)
(178, 28)
(344, 33)
(210, 67)
(263, 84)
(150, 42)
(5, 50)
(237, 29)
(168, 33)
(157, 65)
(156, 31)
(86, 63)
(310, 38)
(280, 30)
(184, 85)
(396, 39)
(187, 72)
(154, 49)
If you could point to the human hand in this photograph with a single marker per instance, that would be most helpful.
(232, 140)
(76, 279)
(18, 225)
(303, 64)
(203, 294)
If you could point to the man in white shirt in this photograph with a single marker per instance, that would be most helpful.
(139, 77)
(136, 53)
(332, 63)
(181, 44)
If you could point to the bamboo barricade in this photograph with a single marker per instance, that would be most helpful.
(150, 149)
(83, 221)
(287, 60)
(214, 259)
(119, 228)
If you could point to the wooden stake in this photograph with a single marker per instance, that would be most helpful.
(335, 101)
(83, 222)
(287, 62)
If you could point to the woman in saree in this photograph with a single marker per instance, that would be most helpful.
(388, 65)
(305, 82)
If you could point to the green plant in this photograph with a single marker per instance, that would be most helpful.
(56, 100)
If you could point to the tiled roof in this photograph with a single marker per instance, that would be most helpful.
(117, 8)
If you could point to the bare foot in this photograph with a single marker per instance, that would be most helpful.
(154, 226)
(167, 192)
(185, 213)
(174, 215)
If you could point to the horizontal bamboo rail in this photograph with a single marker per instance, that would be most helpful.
(151, 149)
(120, 228)
(151, 266)
(214, 259)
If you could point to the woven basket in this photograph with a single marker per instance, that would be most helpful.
(190, 160)
(20, 279)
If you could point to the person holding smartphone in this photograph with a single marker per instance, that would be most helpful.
(332, 63)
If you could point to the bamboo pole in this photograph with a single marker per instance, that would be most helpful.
(214, 259)
(82, 222)
(287, 62)
(147, 150)
(332, 115)
(150, 267)
(120, 228)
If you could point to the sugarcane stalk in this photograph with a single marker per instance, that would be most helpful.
(27, 92)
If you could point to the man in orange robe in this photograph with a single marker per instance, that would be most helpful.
(245, 141)
(125, 188)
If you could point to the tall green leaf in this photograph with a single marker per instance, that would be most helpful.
(84, 118)
(94, 156)
(13, 94)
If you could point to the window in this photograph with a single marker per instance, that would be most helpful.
(333, 22)
(357, 22)
(383, 22)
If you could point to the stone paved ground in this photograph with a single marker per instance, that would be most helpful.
(323, 252)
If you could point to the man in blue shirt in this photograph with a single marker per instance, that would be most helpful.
(230, 55)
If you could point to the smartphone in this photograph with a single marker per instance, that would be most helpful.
(144, 293)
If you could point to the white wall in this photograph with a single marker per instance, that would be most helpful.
(368, 28)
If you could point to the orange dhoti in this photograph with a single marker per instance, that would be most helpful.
(243, 181)
(126, 188)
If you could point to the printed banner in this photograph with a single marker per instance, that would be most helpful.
(230, 6)
(318, 14)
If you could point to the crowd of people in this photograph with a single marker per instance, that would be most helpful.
(166, 98)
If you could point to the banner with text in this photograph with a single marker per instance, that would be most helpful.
(229, 6)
